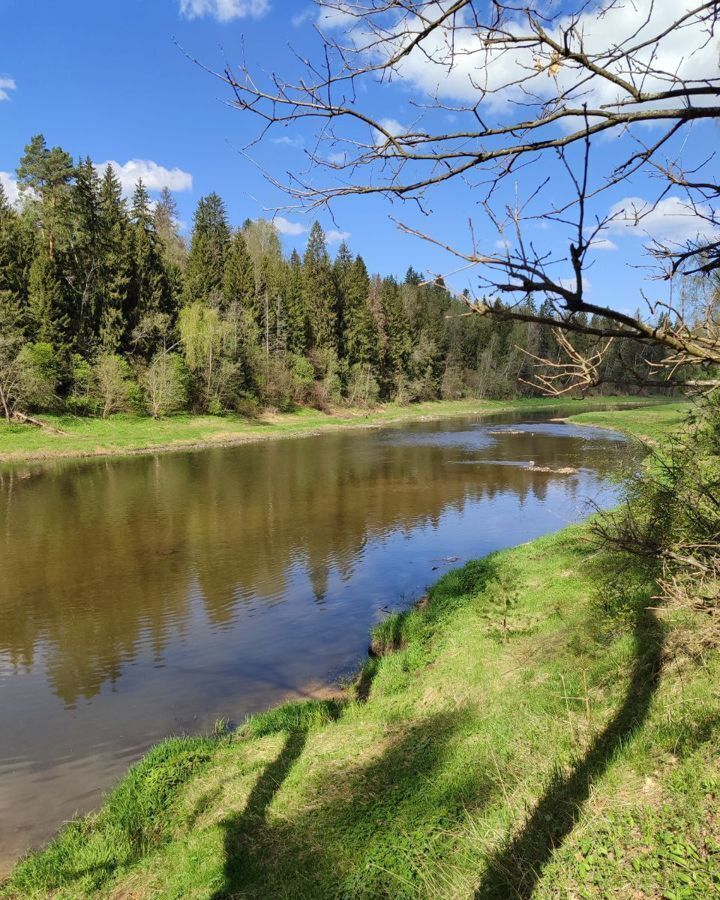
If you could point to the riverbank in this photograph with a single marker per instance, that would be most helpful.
(119, 435)
(518, 739)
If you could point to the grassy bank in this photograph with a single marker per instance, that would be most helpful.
(123, 434)
(525, 736)
(651, 425)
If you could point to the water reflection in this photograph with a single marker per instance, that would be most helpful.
(149, 595)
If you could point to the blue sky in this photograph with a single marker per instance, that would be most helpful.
(108, 78)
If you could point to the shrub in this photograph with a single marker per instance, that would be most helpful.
(117, 390)
(165, 384)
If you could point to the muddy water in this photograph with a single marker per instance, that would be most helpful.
(154, 595)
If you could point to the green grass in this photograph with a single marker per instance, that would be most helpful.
(121, 434)
(652, 425)
(520, 739)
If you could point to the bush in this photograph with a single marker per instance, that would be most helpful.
(117, 390)
(671, 525)
(363, 388)
(165, 384)
(83, 397)
(38, 376)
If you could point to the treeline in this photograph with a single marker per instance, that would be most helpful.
(105, 307)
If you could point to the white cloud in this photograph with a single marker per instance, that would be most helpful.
(337, 159)
(224, 10)
(6, 84)
(671, 220)
(335, 237)
(339, 15)
(154, 176)
(456, 63)
(599, 243)
(392, 127)
(288, 141)
(9, 186)
(303, 16)
(285, 226)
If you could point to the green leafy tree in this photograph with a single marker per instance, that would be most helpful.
(165, 384)
(116, 387)
(39, 375)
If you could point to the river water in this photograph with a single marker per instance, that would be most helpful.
(148, 596)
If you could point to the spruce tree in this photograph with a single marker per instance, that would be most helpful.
(239, 275)
(297, 325)
(360, 340)
(149, 306)
(319, 292)
(397, 349)
(50, 318)
(13, 261)
(116, 263)
(208, 248)
(166, 227)
(84, 257)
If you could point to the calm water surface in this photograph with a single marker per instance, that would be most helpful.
(154, 595)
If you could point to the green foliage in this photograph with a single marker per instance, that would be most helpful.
(205, 268)
(39, 372)
(115, 385)
(93, 275)
(165, 384)
(670, 526)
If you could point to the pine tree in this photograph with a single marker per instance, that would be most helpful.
(208, 249)
(319, 292)
(45, 174)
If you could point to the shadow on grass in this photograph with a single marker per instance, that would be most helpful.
(370, 830)
(514, 871)
(242, 829)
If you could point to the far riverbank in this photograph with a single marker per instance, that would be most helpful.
(122, 435)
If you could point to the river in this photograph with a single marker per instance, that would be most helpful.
(153, 595)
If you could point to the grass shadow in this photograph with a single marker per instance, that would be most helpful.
(514, 871)
(241, 829)
(383, 813)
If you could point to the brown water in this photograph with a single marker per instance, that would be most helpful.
(154, 595)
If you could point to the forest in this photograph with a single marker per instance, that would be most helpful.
(106, 307)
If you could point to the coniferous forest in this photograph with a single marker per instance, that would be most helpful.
(106, 307)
